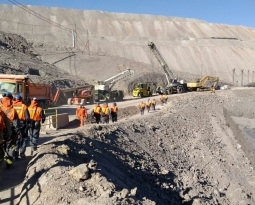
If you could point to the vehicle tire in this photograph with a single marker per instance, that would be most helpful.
(140, 95)
(69, 101)
(180, 89)
(170, 91)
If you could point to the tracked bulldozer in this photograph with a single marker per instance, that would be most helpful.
(205, 83)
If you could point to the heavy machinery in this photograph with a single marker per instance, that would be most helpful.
(142, 90)
(205, 83)
(23, 85)
(173, 85)
(103, 89)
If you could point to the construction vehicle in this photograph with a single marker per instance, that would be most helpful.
(173, 85)
(23, 85)
(142, 90)
(205, 83)
(103, 89)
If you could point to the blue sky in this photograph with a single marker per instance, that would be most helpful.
(232, 12)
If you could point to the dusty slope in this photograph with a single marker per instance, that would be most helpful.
(185, 154)
(186, 44)
(17, 56)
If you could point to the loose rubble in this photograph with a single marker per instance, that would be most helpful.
(184, 154)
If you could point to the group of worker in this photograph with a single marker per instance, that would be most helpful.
(100, 113)
(19, 125)
(152, 104)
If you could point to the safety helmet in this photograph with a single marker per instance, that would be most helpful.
(18, 97)
(114, 103)
(80, 106)
(7, 94)
(35, 99)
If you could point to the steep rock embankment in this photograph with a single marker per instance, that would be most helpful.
(107, 39)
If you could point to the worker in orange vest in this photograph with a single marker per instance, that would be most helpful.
(105, 112)
(37, 117)
(97, 112)
(82, 114)
(77, 110)
(142, 107)
(24, 120)
(10, 112)
(153, 104)
(148, 105)
(162, 99)
(114, 111)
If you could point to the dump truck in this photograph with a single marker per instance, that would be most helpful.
(23, 85)
(205, 83)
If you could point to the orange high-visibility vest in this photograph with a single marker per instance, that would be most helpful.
(142, 105)
(105, 110)
(153, 102)
(114, 109)
(10, 112)
(20, 109)
(35, 113)
(97, 109)
(148, 103)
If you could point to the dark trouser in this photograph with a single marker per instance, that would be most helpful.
(105, 119)
(142, 111)
(11, 148)
(114, 117)
(1, 160)
(22, 142)
(97, 116)
(34, 133)
(153, 106)
(148, 108)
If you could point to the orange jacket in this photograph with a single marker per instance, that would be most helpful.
(82, 112)
(8, 109)
(153, 102)
(21, 109)
(77, 110)
(148, 103)
(142, 105)
(114, 108)
(165, 96)
(35, 111)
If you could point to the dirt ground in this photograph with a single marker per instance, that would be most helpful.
(184, 154)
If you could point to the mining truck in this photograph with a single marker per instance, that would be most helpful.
(23, 85)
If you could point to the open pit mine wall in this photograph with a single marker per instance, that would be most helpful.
(187, 45)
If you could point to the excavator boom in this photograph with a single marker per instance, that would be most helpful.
(168, 72)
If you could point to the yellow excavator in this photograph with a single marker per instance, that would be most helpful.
(205, 83)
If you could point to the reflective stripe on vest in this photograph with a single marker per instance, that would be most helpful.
(35, 113)
(20, 109)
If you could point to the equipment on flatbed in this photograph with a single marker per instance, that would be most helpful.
(142, 90)
(205, 83)
(23, 85)
(103, 89)
(174, 85)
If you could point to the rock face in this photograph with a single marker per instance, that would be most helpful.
(116, 41)
(184, 154)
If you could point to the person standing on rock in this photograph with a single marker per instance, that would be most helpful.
(148, 105)
(114, 110)
(24, 119)
(5, 137)
(37, 117)
(10, 112)
(105, 112)
(153, 104)
(97, 112)
(142, 107)
(82, 114)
